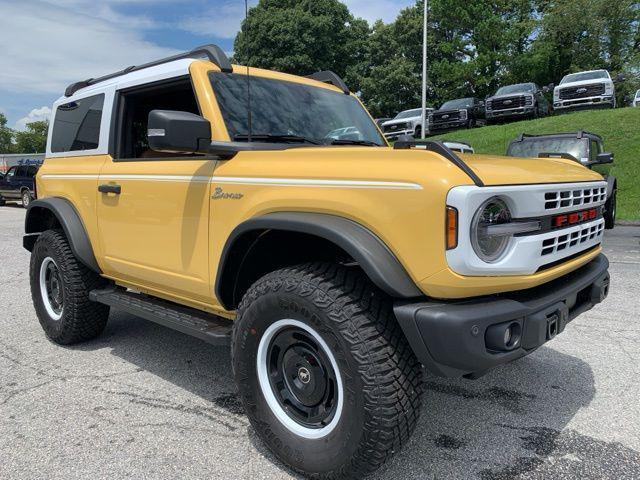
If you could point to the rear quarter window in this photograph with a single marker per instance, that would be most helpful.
(76, 125)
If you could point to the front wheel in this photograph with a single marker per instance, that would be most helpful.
(324, 371)
(417, 133)
(60, 287)
(610, 210)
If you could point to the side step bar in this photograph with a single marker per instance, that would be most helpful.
(208, 327)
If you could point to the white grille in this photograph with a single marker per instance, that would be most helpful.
(574, 198)
(570, 240)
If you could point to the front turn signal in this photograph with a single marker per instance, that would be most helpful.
(451, 228)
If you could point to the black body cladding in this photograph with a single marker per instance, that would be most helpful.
(51, 212)
(373, 256)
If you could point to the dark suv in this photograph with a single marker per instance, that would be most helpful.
(517, 101)
(18, 184)
(583, 147)
(458, 113)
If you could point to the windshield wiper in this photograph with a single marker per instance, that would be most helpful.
(267, 137)
(344, 141)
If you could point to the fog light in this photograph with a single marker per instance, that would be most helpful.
(507, 336)
(503, 337)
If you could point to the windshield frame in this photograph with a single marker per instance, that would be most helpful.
(603, 73)
(527, 87)
(470, 100)
(400, 115)
(581, 157)
(234, 115)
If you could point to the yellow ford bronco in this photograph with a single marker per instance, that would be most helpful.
(267, 212)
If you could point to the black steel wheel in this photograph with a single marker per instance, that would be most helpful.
(60, 286)
(323, 369)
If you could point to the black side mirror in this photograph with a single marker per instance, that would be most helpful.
(619, 78)
(178, 132)
(604, 158)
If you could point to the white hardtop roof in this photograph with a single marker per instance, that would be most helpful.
(172, 69)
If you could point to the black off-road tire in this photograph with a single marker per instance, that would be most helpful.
(610, 208)
(81, 319)
(382, 380)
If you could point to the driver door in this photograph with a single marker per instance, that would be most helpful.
(153, 208)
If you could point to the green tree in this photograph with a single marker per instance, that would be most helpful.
(471, 50)
(33, 139)
(6, 136)
(302, 37)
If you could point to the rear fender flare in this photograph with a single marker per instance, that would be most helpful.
(69, 219)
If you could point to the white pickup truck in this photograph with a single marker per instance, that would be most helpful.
(592, 88)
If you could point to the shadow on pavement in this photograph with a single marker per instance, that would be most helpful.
(511, 423)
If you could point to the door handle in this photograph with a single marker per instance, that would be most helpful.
(110, 188)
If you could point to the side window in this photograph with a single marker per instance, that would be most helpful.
(31, 171)
(138, 102)
(76, 125)
(21, 171)
(11, 173)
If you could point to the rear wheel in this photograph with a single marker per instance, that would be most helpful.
(324, 371)
(26, 198)
(60, 287)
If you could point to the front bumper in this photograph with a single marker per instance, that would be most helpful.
(450, 338)
(600, 100)
(510, 112)
(439, 126)
(394, 135)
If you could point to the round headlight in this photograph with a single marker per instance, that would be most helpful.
(487, 246)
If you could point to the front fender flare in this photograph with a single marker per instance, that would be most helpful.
(611, 183)
(71, 223)
(374, 257)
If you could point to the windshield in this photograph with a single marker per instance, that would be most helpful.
(457, 103)
(579, 77)
(532, 147)
(286, 109)
(416, 112)
(519, 88)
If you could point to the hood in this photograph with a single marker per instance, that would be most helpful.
(402, 120)
(498, 170)
(508, 95)
(411, 166)
(583, 82)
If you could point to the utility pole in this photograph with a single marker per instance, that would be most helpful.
(424, 73)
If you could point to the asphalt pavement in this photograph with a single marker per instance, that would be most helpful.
(143, 401)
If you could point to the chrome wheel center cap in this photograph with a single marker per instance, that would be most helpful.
(304, 375)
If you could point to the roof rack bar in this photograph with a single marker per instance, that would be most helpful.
(331, 78)
(441, 149)
(212, 52)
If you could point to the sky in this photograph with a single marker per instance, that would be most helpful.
(48, 44)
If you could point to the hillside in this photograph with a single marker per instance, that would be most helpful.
(620, 130)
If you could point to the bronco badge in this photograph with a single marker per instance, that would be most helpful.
(218, 193)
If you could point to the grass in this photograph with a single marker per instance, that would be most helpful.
(619, 128)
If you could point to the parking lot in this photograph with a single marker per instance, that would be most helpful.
(143, 401)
